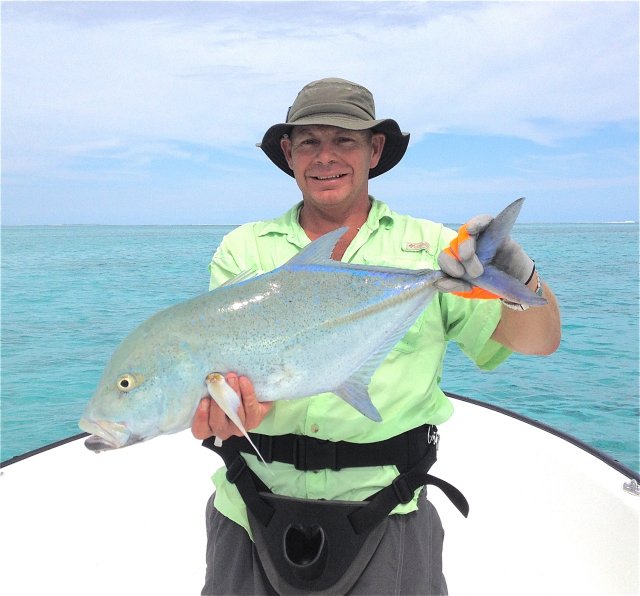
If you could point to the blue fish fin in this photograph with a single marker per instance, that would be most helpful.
(319, 251)
(242, 276)
(229, 401)
(383, 269)
(355, 394)
(497, 231)
(493, 279)
(354, 391)
(498, 282)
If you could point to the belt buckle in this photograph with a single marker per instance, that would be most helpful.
(433, 437)
(236, 469)
(403, 491)
(314, 455)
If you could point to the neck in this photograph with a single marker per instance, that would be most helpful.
(317, 222)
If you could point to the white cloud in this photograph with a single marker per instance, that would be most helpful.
(535, 70)
(124, 85)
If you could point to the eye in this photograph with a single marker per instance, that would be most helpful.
(126, 382)
(308, 142)
(347, 141)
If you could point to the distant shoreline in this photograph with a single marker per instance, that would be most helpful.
(234, 225)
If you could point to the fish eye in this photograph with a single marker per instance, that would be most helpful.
(126, 382)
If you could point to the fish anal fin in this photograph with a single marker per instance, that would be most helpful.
(356, 395)
(354, 390)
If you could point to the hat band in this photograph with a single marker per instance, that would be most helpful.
(337, 109)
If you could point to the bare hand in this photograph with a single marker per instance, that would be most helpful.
(210, 420)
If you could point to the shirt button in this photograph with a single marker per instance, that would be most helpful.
(315, 428)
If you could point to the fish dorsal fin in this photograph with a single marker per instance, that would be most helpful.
(319, 251)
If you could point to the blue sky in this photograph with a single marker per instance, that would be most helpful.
(148, 112)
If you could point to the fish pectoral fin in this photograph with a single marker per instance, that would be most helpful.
(223, 394)
(356, 395)
(242, 276)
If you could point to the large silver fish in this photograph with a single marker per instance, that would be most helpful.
(349, 316)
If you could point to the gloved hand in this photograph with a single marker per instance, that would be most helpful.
(460, 258)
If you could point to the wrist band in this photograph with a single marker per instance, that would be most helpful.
(526, 283)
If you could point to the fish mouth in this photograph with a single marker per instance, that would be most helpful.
(106, 435)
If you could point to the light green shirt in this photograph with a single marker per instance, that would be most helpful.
(405, 388)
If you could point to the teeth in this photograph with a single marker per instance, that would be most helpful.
(329, 177)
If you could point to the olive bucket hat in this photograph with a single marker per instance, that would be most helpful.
(336, 102)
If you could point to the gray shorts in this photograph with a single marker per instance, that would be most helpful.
(407, 561)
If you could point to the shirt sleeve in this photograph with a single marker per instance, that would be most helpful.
(471, 323)
(233, 256)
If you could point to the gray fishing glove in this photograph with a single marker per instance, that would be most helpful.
(460, 258)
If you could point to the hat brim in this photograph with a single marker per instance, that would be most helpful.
(395, 145)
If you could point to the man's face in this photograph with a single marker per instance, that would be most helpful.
(331, 165)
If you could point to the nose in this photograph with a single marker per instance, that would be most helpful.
(325, 154)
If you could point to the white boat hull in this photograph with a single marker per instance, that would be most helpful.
(546, 516)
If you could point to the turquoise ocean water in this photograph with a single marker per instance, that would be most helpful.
(71, 293)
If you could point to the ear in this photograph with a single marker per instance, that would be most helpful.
(285, 145)
(377, 145)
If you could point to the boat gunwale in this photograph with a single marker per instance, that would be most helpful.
(594, 451)
(597, 453)
(17, 458)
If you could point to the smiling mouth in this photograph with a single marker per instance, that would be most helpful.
(328, 178)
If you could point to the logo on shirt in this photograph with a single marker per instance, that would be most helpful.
(416, 246)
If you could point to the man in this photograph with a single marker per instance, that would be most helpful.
(332, 144)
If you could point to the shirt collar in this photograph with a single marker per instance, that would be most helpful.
(288, 225)
(380, 215)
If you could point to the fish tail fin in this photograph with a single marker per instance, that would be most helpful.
(496, 280)
(229, 401)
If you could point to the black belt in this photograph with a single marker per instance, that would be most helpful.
(308, 453)
(412, 452)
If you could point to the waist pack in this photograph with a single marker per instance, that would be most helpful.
(319, 546)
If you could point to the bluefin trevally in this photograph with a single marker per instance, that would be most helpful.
(349, 316)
